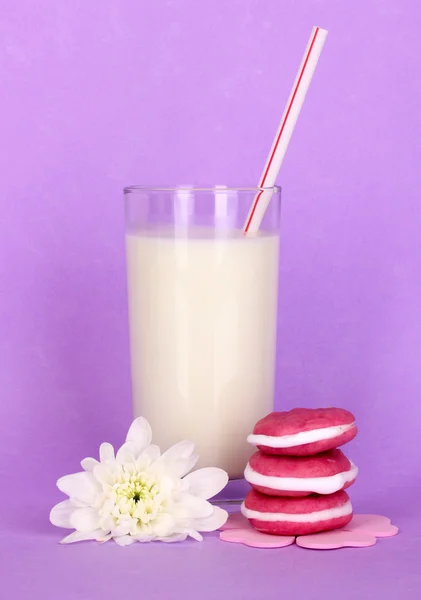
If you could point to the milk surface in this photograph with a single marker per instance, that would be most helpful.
(202, 316)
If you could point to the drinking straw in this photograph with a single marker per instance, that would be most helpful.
(286, 128)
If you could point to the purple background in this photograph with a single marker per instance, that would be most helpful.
(101, 94)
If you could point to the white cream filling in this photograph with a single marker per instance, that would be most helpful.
(318, 485)
(314, 517)
(298, 439)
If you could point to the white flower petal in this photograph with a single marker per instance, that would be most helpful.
(152, 452)
(142, 462)
(184, 466)
(195, 535)
(60, 514)
(206, 482)
(124, 540)
(187, 506)
(108, 505)
(81, 486)
(183, 449)
(179, 459)
(89, 463)
(140, 433)
(127, 453)
(78, 503)
(104, 473)
(85, 519)
(163, 525)
(124, 527)
(107, 523)
(167, 485)
(175, 537)
(81, 536)
(143, 537)
(106, 452)
(104, 538)
(212, 522)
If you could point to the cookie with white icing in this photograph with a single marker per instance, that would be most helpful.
(324, 473)
(303, 431)
(297, 516)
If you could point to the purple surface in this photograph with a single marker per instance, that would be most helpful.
(97, 95)
(212, 569)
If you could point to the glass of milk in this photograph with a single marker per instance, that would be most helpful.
(202, 316)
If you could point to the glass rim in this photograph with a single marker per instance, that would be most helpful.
(132, 189)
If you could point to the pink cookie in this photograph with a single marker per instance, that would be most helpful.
(324, 473)
(297, 516)
(303, 431)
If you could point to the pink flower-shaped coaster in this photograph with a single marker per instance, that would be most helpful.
(329, 540)
(238, 530)
(256, 539)
(360, 532)
(372, 524)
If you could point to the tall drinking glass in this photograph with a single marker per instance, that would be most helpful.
(202, 316)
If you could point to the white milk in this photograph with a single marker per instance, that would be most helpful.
(203, 335)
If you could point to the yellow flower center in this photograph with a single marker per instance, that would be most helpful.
(138, 497)
(137, 488)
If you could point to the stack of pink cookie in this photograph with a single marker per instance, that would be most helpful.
(298, 476)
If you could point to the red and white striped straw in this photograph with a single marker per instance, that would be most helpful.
(286, 128)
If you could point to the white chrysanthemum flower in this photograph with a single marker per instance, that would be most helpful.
(140, 495)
